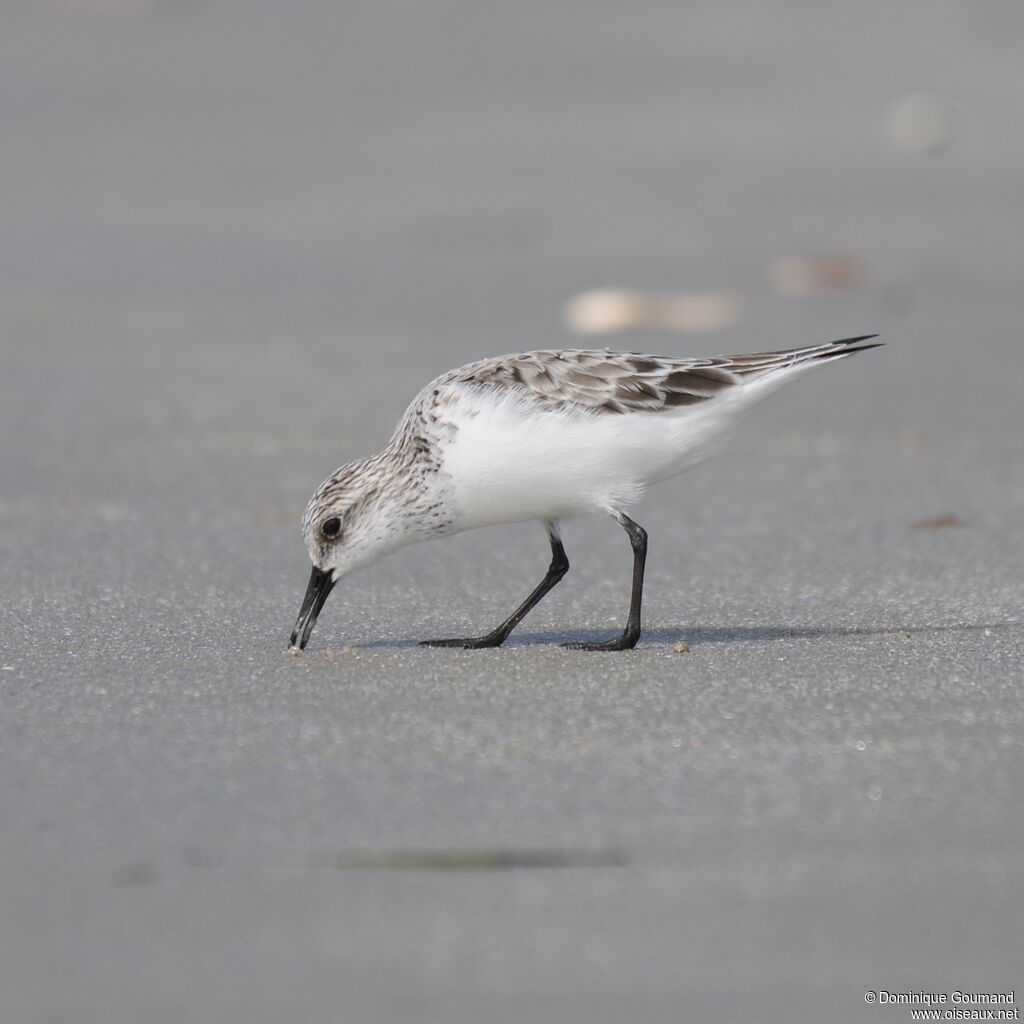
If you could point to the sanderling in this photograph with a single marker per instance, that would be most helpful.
(537, 436)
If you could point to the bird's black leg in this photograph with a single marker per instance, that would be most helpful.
(638, 539)
(556, 570)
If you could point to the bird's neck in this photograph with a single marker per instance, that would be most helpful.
(414, 487)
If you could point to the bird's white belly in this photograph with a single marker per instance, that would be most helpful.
(509, 463)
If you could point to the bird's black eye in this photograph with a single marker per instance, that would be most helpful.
(332, 528)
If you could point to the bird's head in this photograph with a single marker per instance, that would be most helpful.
(351, 520)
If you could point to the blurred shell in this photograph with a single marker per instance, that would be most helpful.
(798, 275)
(613, 309)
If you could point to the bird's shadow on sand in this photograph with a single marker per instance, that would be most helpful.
(698, 635)
(663, 636)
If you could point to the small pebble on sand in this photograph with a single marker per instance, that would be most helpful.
(938, 522)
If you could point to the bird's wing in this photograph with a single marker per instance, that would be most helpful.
(600, 381)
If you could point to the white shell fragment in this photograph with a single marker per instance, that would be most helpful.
(800, 275)
(606, 310)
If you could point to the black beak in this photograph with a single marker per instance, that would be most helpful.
(320, 585)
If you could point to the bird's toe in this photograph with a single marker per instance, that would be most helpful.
(467, 643)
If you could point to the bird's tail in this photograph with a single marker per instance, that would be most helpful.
(766, 372)
(766, 362)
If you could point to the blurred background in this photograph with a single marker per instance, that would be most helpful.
(235, 239)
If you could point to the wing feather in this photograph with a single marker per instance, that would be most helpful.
(601, 381)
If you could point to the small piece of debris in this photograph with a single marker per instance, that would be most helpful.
(681, 647)
(904, 635)
(6, 668)
(606, 310)
(294, 651)
(938, 522)
(330, 652)
(799, 275)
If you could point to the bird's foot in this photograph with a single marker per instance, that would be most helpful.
(469, 643)
(619, 643)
